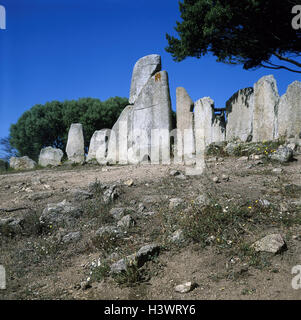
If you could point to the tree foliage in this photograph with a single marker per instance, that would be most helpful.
(6, 150)
(48, 125)
(247, 32)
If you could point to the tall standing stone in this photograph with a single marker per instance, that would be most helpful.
(50, 157)
(144, 69)
(205, 118)
(185, 124)
(239, 110)
(144, 126)
(266, 99)
(75, 146)
(120, 136)
(289, 112)
(98, 145)
(151, 117)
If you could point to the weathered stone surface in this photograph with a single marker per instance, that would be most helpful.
(98, 146)
(111, 230)
(72, 237)
(140, 258)
(117, 213)
(177, 237)
(63, 212)
(175, 202)
(11, 226)
(81, 195)
(151, 118)
(144, 69)
(283, 154)
(239, 110)
(207, 125)
(137, 134)
(146, 252)
(185, 287)
(272, 243)
(126, 222)
(203, 200)
(111, 193)
(75, 145)
(50, 156)
(289, 112)
(266, 100)
(119, 138)
(218, 129)
(185, 125)
(23, 163)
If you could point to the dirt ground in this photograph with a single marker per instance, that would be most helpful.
(56, 272)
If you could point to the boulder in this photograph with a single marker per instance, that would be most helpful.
(272, 243)
(126, 222)
(11, 226)
(266, 99)
(110, 230)
(185, 287)
(118, 213)
(75, 146)
(98, 146)
(23, 163)
(60, 213)
(289, 112)
(72, 237)
(50, 156)
(144, 254)
(239, 110)
(283, 154)
(144, 69)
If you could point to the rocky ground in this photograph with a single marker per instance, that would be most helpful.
(137, 232)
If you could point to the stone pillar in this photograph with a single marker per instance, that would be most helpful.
(75, 146)
(98, 145)
(266, 99)
(185, 124)
(143, 70)
(239, 110)
(152, 110)
(289, 112)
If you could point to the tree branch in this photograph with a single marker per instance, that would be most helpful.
(279, 67)
(296, 63)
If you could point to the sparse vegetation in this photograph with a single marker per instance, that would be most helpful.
(220, 231)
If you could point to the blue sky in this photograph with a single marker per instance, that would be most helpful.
(67, 49)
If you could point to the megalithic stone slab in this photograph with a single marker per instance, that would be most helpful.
(204, 117)
(152, 110)
(75, 146)
(185, 123)
(50, 156)
(218, 128)
(239, 110)
(289, 112)
(144, 69)
(120, 137)
(98, 145)
(266, 99)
